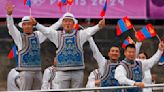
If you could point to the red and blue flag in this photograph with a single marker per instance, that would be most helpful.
(146, 32)
(27, 2)
(127, 41)
(12, 53)
(123, 25)
(102, 14)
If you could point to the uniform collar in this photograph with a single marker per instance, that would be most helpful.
(129, 61)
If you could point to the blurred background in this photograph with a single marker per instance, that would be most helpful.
(47, 12)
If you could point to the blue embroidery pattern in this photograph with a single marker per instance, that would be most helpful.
(69, 55)
(109, 80)
(31, 57)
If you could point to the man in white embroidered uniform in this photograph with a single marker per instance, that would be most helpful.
(48, 77)
(28, 43)
(106, 67)
(13, 80)
(70, 60)
(49, 81)
(130, 71)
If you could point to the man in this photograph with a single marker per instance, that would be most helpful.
(48, 77)
(106, 67)
(70, 60)
(13, 80)
(130, 71)
(94, 79)
(49, 81)
(28, 43)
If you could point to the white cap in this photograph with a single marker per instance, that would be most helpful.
(24, 19)
(71, 16)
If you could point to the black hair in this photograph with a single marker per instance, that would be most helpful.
(130, 46)
(117, 46)
(144, 54)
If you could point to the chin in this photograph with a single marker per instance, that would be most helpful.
(132, 58)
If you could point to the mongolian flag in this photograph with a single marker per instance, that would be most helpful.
(12, 53)
(61, 4)
(27, 2)
(123, 25)
(146, 32)
(102, 14)
(127, 41)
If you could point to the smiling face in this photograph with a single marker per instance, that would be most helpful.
(68, 24)
(114, 53)
(130, 53)
(27, 27)
(142, 56)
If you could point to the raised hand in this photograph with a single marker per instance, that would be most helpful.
(33, 21)
(161, 46)
(102, 23)
(9, 8)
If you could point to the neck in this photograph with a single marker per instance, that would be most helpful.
(129, 61)
(68, 31)
(113, 60)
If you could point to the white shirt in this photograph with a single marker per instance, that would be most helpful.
(47, 78)
(121, 73)
(97, 55)
(147, 80)
(52, 34)
(11, 79)
(16, 34)
(147, 74)
(138, 46)
(92, 78)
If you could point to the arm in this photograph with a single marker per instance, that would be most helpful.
(13, 31)
(56, 25)
(46, 78)
(138, 46)
(148, 63)
(51, 34)
(121, 76)
(91, 81)
(97, 55)
(41, 37)
(88, 32)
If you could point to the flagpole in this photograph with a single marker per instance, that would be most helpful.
(30, 11)
(67, 8)
(70, 8)
(134, 29)
(158, 38)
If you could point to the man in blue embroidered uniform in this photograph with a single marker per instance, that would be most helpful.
(106, 67)
(130, 71)
(70, 60)
(28, 43)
